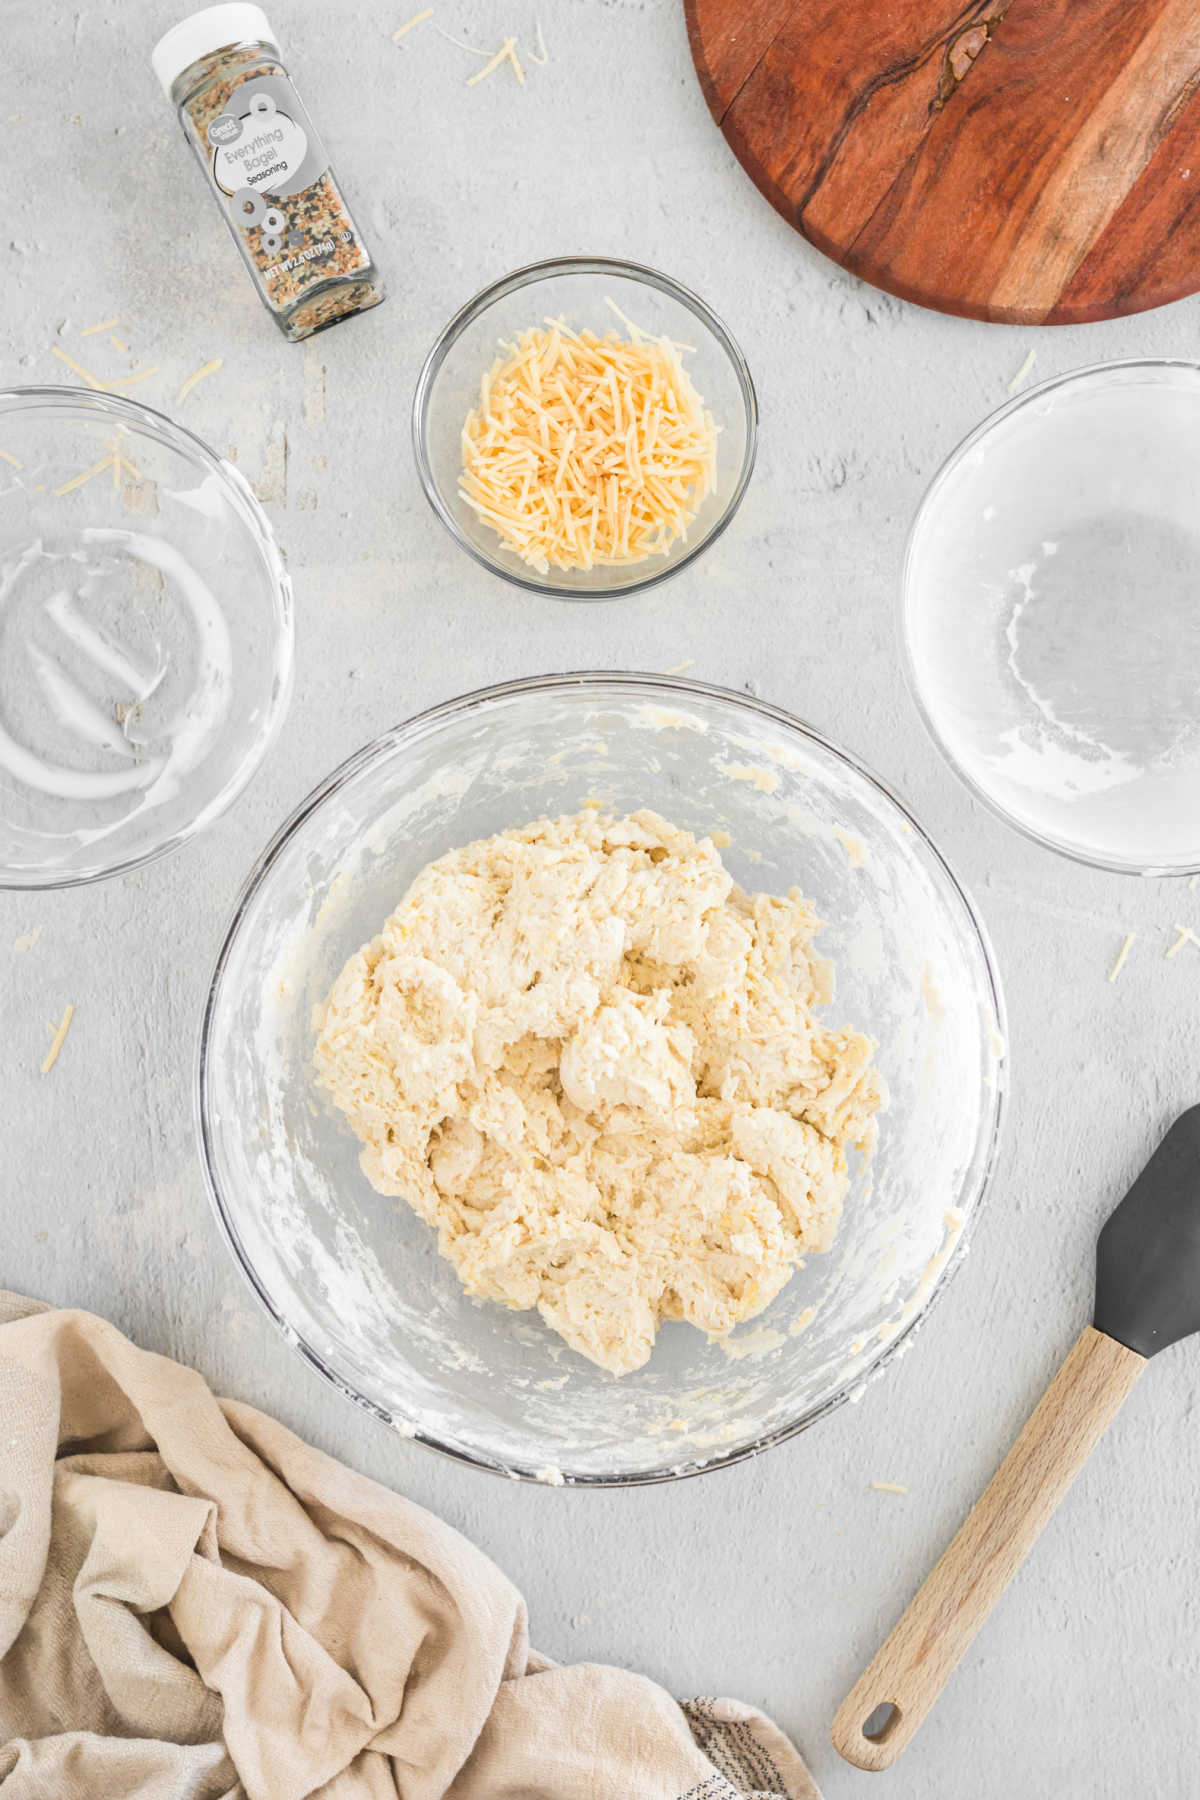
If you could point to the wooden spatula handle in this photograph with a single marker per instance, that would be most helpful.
(913, 1666)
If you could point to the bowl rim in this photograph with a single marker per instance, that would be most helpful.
(148, 418)
(524, 277)
(1086, 374)
(981, 1168)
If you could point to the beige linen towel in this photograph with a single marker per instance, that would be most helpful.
(195, 1605)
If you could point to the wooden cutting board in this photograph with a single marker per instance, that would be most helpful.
(1030, 161)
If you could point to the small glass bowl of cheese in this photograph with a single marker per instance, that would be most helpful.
(585, 427)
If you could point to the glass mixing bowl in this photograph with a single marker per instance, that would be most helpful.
(354, 1280)
(1051, 614)
(577, 289)
(145, 635)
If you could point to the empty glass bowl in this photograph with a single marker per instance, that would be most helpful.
(145, 635)
(355, 1281)
(1051, 614)
(578, 289)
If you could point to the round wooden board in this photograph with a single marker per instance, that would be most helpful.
(1035, 162)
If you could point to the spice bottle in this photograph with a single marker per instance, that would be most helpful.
(221, 70)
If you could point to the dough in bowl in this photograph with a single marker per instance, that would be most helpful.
(590, 1062)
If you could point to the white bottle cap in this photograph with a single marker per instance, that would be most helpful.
(216, 28)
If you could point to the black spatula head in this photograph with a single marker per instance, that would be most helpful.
(1148, 1255)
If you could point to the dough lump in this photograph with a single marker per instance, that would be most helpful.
(590, 1062)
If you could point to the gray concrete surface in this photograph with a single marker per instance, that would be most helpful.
(775, 1580)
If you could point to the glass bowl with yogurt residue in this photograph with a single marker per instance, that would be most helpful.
(583, 291)
(354, 1280)
(145, 635)
(1050, 614)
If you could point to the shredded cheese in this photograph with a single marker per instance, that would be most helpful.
(93, 381)
(689, 662)
(60, 1038)
(104, 325)
(506, 53)
(586, 451)
(118, 463)
(198, 375)
(542, 59)
(113, 444)
(889, 1487)
(1122, 953)
(78, 480)
(417, 19)
(8, 457)
(121, 348)
(1022, 372)
(1186, 936)
(128, 380)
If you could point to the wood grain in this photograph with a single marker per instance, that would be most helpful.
(1028, 161)
(914, 1664)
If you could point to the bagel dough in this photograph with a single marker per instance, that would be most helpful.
(590, 1062)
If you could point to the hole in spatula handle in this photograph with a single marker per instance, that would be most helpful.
(878, 1727)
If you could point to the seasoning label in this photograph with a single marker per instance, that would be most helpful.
(261, 152)
(265, 142)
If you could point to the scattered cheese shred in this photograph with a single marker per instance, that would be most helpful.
(113, 444)
(104, 325)
(8, 457)
(1186, 936)
(198, 375)
(506, 53)
(128, 380)
(60, 1038)
(1122, 953)
(417, 19)
(122, 349)
(93, 381)
(689, 662)
(115, 460)
(889, 1487)
(586, 451)
(1022, 372)
(78, 480)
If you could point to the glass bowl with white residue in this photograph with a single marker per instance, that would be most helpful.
(354, 1280)
(145, 635)
(1050, 615)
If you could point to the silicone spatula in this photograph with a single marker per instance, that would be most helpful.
(1147, 1297)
